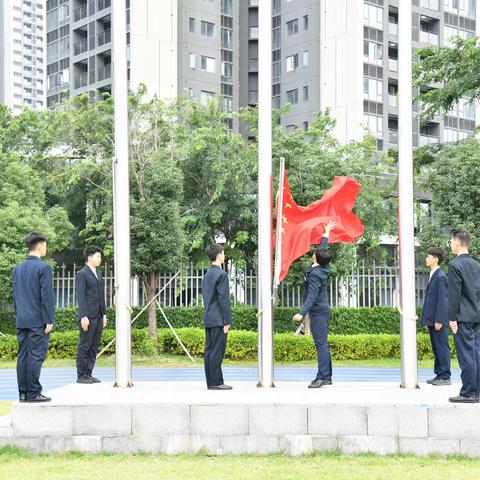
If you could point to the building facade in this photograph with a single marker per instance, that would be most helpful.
(22, 54)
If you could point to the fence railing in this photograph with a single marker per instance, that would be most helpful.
(363, 287)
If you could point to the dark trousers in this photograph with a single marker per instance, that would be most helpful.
(319, 327)
(87, 348)
(215, 345)
(32, 350)
(467, 341)
(441, 351)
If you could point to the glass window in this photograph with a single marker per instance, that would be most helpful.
(305, 93)
(305, 22)
(372, 52)
(374, 124)
(305, 58)
(292, 27)
(292, 62)
(373, 16)
(227, 70)
(191, 25)
(207, 29)
(208, 64)
(227, 36)
(205, 97)
(292, 96)
(227, 8)
(192, 60)
(373, 89)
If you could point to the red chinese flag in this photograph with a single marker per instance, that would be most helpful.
(304, 226)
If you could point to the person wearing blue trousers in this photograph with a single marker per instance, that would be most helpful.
(318, 309)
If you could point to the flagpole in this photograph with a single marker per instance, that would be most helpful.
(121, 207)
(406, 236)
(278, 231)
(265, 332)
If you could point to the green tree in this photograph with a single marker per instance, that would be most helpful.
(456, 69)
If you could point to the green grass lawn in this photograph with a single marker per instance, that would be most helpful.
(18, 464)
(179, 361)
(5, 406)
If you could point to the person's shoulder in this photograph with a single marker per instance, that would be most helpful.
(441, 273)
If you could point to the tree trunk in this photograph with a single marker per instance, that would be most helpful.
(151, 286)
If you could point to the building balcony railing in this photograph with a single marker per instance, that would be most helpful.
(393, 64)
(253, 33)
(393, 136)
(430, 4)
(102, 4)
(104, 73)
(429, 37)
(427, 140)
(80, 47)
(104, 37)
(81, 80)
(80, 13)
(253, 64)
(393, 28)
(392, 101)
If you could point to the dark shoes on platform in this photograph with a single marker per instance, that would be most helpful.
(319, 383)
(88, 380)
(220, 387)
(460, 399)
(39, 399)
(22, 398)
(439, 382)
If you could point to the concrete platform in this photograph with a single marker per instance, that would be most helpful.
(175, 417)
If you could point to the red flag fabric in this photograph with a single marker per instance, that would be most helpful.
(304, 226)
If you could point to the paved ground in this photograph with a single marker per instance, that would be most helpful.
(58, 377)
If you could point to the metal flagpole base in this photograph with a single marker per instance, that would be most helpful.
(129, 385)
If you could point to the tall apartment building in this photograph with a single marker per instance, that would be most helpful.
(175, 47)
(22, 54)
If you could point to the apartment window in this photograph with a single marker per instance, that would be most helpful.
(305, 93)
(191, 25)
(372, 52)
(305, 58)
(305, 22)
(207, 29)
(228, 105)
(372, 89)
(276, 38)
(192, 60)
(227, 70)
(292, 96)
(227, 38)
(374, 124)
(275, 7)
(227, 8)
(292, 27)
(191, 93)
(292, 62)
(207, 64)
(205, 97)
(373, 16)
(305, 126)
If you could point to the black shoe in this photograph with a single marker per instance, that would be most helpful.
(22, 398)
(440, 382)
(319, 383)
(85, 380)
(95, 380)
(431, 380)
(220, 387)
(460, 399)
(39, 399)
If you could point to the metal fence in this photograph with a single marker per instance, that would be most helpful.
(363, 287)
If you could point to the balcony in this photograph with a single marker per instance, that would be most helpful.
(81, 80)
(80, 47)
(253, 33)
(427, 140)
(393, 28)
(393, 64)
(104, 37)
(104, 73)
(429, 37)
(253, 65)
(253, 97)
(393, 101)
(393, 136)
(80, 13)
(102, 4)
(430, 4)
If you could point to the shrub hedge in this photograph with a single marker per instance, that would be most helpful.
(242, 345)
(345, 321)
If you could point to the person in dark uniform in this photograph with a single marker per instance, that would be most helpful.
(435, 316)
(34, 313)
(217, 317)
(91, 314)
(464, 315)
(316, 305)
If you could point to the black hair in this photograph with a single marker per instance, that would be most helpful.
(437, 252)
(463, 236)
(323, 256)
(33, 239)
(213, 250)
(90, 251)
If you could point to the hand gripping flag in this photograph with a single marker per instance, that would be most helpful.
(304, 226)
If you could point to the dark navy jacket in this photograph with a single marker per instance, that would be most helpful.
(464, 289)
(33, 293)
(216, 298)
(90, 294)
(316, 293)
(435, 305)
